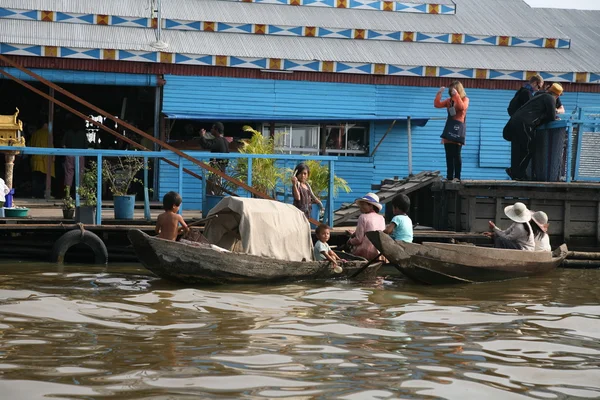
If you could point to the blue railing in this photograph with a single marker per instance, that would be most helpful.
(100, 154)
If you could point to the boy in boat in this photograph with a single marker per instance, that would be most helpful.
(322, 249)
(167, 223)
(518, 236)
(401, 227)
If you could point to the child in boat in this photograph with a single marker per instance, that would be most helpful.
(322, 249)
(167, 223)
(401, 227)
(518, 236)
(540, 229)
(303, 194)
(369, 220)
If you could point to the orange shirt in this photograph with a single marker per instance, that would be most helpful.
(460, 105)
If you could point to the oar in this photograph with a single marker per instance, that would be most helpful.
(203, 220)
(195, 236)
(367, 265)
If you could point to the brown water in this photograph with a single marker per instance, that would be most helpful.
(91, 333)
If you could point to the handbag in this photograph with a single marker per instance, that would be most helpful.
(454, 131)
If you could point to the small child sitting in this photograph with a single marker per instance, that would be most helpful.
(167, 223)
(322, 249)
(401, 227)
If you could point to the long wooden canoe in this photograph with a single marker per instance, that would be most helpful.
(442, 263)
(203, 264)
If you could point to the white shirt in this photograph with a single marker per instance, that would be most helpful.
(319, 247)
(3, 190)
(542, 242)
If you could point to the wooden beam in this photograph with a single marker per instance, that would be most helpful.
(567, 221)
(499, 210)
(471, 213)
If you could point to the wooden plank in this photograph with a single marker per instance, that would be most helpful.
(591, 195)
(499, 210)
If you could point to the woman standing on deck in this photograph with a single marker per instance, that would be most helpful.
(453, 136)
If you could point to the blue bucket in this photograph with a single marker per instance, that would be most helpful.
(9, 198)
(124, 206)
(211, 201)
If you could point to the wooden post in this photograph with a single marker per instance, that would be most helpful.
(330, 194)
(9, 160)
(499, 210)
(598, 223)
(147, 215)
(409, 134)
(567, 221)
(50, 144)
(249, 181)
(471, 213)
(99, 191)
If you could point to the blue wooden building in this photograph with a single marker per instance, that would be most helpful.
(330, 76)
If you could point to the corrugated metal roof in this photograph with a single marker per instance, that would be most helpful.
(259, 46)
(485, 17)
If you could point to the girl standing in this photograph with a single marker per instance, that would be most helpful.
(303, 194)
(453, 136)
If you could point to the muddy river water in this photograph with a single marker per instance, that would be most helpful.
(84, 332)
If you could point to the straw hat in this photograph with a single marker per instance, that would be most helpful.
(556, 89)
(372, 199)
(541, 219)
(518, 212)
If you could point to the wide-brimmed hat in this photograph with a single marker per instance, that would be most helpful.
(556, 88)
(372, 199)
(541, 219)
(518, 212)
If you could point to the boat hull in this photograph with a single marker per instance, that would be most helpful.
(440, 263)
(190, 264)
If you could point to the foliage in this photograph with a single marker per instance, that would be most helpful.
(319, 180)
(121, 174)
(67, 202)
(87, 190)
(265, 172)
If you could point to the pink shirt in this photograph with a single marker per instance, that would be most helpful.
(366, 223)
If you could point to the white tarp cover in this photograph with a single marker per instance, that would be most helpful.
(260, 227)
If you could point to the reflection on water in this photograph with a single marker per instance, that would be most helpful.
(88, 332)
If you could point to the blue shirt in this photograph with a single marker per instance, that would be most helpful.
(403, 230)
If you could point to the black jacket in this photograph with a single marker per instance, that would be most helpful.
(539, 110)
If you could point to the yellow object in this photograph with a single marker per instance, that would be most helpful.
(10, 130)
(38, 162)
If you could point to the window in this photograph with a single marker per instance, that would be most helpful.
(347, 139)
(295, 138)
(341, 139)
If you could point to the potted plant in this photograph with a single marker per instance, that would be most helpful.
(120, 175)
(68, 204)
(86, 212)
(265, 171)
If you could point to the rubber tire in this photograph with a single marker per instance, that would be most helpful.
(73, 237)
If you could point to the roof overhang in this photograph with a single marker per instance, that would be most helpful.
(415, 121)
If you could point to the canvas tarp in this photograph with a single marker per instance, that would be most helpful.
(260, 227)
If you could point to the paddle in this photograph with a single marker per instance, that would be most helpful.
(364, 267)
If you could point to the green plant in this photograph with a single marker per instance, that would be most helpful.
(265, 172)
(319, 180)
(88, 189)
(67, 202)
(121, 174)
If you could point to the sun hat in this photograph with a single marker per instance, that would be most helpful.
(556, 88)
(518, 212)
(541, 219)
(372, 199)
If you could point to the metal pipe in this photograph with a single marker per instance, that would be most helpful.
(409, 130)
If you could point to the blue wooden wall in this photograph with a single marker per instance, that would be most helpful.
(485, 155)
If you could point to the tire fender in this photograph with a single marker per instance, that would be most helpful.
(76, 236)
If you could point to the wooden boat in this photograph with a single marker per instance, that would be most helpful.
(205, 264)
(443, 263)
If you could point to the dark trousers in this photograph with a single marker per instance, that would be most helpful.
(453, 160)
(38, 184)
(521, 149)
